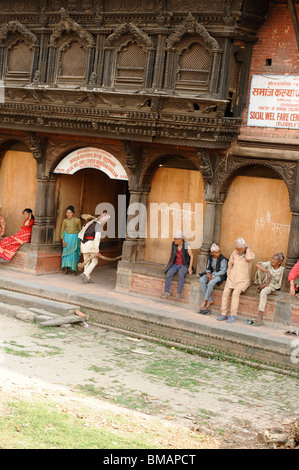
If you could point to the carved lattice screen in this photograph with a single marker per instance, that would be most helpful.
(19, 63)
(73, 63)
(130, 68)
(194, 69)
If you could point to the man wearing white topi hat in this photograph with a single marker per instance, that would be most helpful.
(180, 261)
(238, 279)
(214, 275)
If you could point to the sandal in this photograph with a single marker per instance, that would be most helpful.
(249, 322)
(205, 311)
(292, 332)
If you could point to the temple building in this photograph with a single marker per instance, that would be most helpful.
(166, 113)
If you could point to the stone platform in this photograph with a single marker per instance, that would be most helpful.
(174, 323)
(148, 280)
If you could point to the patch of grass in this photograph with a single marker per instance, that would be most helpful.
(52, 350)
(39, 425)
(16, 352)
(176, 374)
(126, 398)
(100, 369)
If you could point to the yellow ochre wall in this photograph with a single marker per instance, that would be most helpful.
(18, 187)
(256, 209)
(171, 185)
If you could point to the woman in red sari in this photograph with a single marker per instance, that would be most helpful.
(10, 245)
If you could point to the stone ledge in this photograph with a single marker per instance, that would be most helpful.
(147, 280)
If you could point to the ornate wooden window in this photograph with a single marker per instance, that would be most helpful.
(72, 66)
(19, 62)
(194, 68)
(130, 67)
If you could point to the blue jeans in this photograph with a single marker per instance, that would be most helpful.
(176, 268)
(207, 287)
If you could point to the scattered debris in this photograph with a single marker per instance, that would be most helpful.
(142, 351)
(137, 340)
(286, 437)
(80, 314)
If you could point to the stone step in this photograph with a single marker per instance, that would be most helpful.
(40, 305)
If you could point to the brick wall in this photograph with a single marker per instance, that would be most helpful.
(277, 42)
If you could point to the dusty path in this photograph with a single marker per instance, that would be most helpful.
(94, 367)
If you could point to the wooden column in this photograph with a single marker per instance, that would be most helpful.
(293, 245)
(134, 246)
(43, 229)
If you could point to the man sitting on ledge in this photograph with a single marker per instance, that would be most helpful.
(215, 274)
(180, 261)
(268, 279)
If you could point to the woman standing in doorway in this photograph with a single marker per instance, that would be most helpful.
(70, 228)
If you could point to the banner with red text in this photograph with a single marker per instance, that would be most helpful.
(90, 157)
(274, 101)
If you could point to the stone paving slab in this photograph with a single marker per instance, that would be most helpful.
(110, 307)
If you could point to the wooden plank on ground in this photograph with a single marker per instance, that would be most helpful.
(62, 320)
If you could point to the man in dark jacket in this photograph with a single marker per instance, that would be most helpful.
(215, 274)
(180, 261)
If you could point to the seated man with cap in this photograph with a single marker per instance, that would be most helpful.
(215, 274)
(180, 261)
(90, 237)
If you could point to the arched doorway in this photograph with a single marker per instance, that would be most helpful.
(175, 202)
(92, 180)
(256, 208)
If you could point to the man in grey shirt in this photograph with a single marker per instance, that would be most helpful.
(215, 274)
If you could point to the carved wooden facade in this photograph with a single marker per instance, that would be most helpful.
(175, 72)
(140, 72)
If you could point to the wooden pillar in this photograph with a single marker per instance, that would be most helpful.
(134, 245)
(43, 229)
(293, 245)
(159, 61)
(211, 228)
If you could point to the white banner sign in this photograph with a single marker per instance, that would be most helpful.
(274, 101)
(90, 157)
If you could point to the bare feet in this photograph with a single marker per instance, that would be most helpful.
(259, 319)
(209, 303)
(204, 304)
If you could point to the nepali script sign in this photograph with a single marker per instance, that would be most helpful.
(90, 157)
(274, 101)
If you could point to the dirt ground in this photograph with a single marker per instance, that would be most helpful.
(189, 401)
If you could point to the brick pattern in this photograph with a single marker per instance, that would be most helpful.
(295, 316)
(277, 41)
(49, 262)
(154, 287)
